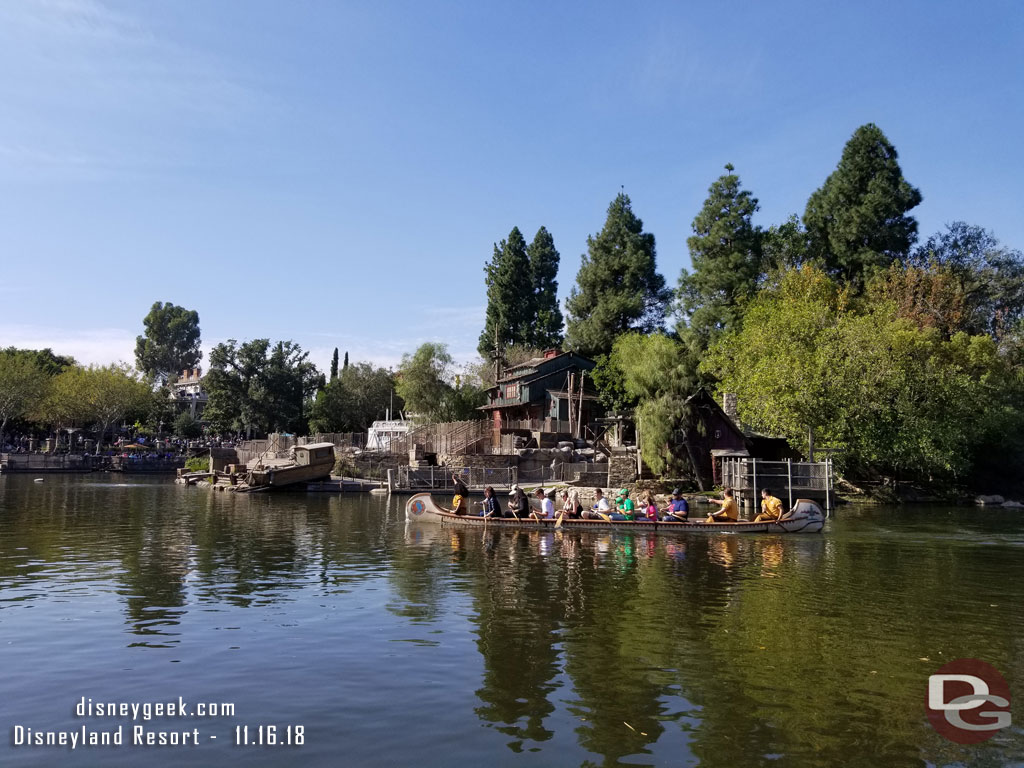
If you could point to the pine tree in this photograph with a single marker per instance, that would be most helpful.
(857, 221)
(725, 251)
(547, 321)
(510, 299)
(345, 364)
(618, 288)
(334, 365)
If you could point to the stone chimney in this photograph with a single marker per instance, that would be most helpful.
(730, 404)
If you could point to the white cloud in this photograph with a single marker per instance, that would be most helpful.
(100, 346)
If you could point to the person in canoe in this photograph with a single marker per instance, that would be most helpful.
(771, 508)
(572, 507)
(460, 502)
(625, 508)
(601, 507)
(491, 507)
(728, 513)
(678, 511)
(648, 508)
(518, 504)
(547, 506)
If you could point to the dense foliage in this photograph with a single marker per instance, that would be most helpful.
(618, 288)
(170, 342)
(891, 394)
(511, 307)
(857, 221)
(725, 251)
(431, 390)
(547, 317)
(258, 387)
(353, 399)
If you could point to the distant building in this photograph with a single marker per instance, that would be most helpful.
(535, 397)
(381, 433)
(716, 433)
(188, 394)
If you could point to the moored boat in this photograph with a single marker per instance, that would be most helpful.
(313, 461)
(805, 517)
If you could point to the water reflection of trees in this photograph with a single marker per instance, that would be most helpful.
(808, 649)
(789, 649)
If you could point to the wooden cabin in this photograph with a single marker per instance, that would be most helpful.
(545, 398)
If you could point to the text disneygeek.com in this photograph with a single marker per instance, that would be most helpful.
(174, 733)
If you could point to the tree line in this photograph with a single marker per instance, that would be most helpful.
(835, 327)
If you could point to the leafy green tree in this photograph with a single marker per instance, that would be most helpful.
(725, 251)
(784, 246)
(44, 359)
(888, 394)
(857, 221)
(334, 365)
(547, 321)
(351, 403)
(258, 387)
(618, 288)
(187, 427)
(23, 386)
(109, 395)
(170, 343)
(657, 377)
(65, 405)
(510, 295)
(989, 275)
(426, 382)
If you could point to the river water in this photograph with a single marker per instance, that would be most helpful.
(382, 644)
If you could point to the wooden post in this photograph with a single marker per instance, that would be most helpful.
(753, 500)
(828, 483)
(789, 470)
(391, 480)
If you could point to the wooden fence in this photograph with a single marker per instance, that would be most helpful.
(788, 480)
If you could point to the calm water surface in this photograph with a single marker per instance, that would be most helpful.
(395, 645)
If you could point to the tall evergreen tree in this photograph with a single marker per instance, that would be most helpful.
(510, 300)
(345, 364)
(544, 258)
(618, 288)
(334, 365)
(725, 251)
(857, 221)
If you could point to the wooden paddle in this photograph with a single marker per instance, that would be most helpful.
(561, 517)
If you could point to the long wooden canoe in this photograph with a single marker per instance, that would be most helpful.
(806, 517)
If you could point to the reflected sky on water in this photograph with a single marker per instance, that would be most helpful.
(394, 644)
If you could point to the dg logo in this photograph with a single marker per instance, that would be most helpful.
(968, 701)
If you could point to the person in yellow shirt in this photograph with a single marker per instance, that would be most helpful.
(771, 508)
(729, 512)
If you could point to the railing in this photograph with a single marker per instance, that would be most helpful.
(782, 477)
(277, 446)
(565, 472)
(440, 478)
(457, 438)
(28, 462)
(537, 425)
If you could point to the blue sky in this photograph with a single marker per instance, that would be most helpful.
(337, 173)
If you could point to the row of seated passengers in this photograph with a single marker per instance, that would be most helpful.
(625, 509)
